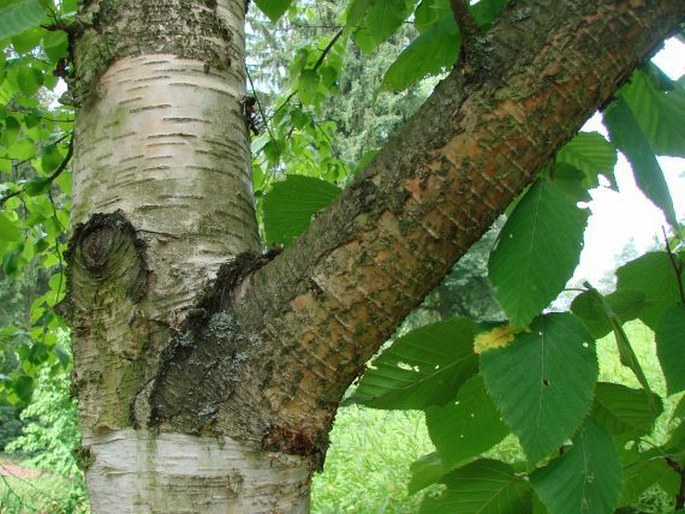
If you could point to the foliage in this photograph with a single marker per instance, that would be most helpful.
(587, 444)
(47, 442)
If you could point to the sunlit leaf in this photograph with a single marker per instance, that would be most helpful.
(290, 205)
(530, 382)
(19, 16)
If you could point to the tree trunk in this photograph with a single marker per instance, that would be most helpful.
(208, 375)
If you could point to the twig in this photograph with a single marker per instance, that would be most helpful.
(328, 48)
(62, 166)
(468, 28)
(259, 104)
(677, 267)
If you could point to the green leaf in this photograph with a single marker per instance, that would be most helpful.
(625, 350)
(290, 205)
(9, 230)
(29, 80)
(466, 426)
(37, 186)
(537, 251)
(425, 367)
(670, 347)
(626, 304)
(627, 134)
(425, 471)
(383, 18)
(654, 276)
(530, 382)
(640, 475)
(356, 12)
(19, 16)
(659, 113)
(587, 478)
(429, 12)
(274, 9)
(622, 410)
(486, 12)
(23, 387)
(428, 54)
(482, 487)
(593, 155)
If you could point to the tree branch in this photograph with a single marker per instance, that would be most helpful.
(322, 308)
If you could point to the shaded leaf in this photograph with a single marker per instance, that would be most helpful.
(482, 487)
(625, 350)
(530, 382)
(627, 134)
(537, 251)
(290, 205)
(654, 276)
(587, 478)
(670, 347)
(425, 367)
(626, 304)
(466, 426)
(428, 54)
(383, 18)
(640, 475)
(425, 471)
(623, 410)
(274, 9)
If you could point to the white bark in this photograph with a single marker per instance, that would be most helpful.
(137, 472)
(166, 143)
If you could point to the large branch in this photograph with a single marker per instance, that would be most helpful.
(309, 319)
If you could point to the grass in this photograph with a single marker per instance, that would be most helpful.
(45, 493)
(367, 467)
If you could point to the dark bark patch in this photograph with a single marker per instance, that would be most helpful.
(305, 442)
(204, 359)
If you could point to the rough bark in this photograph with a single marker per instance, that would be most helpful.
(184, 337)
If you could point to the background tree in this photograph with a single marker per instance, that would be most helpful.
(189, 343)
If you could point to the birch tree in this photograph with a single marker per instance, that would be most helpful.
(208, 370)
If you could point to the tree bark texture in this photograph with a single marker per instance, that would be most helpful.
(211, 365)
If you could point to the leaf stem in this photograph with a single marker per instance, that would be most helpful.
(677, 267)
